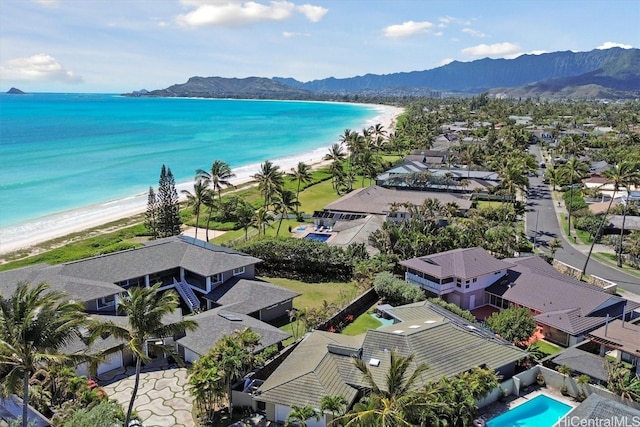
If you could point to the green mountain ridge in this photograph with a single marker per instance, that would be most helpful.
(610, 73)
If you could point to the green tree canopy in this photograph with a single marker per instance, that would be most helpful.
(512, 324)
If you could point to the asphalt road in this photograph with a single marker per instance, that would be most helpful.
(543, 225)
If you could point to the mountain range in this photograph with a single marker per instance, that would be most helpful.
(600, 73)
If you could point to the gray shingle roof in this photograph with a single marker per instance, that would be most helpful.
(446, 347)
(583, 362)
(214, 324)
(464, 263)
(565, 303)
(598, 410)
(247, 296)
(79, 289)
(309, 373)
(160, 255)
(377, 200)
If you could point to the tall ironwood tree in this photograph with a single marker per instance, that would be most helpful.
(151, 216)
(168, 205)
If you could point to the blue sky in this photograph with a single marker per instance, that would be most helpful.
(114, 46)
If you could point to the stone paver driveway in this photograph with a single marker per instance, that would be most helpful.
(163, 398)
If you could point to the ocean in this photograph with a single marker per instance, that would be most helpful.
(63, 153)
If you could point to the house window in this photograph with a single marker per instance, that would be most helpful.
(458, 285)
(216, 278)
(237, 271)
(107, 301)
(466, 286)
(475, 279)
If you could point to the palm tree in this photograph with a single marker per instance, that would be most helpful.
(573, 171)
(235, 355)
(565, 371)
(623, 174)
(300, 414)
(146, 310)
(389, 404)
(336, 155)
(35, 324)
(244, 217)
(261, 220)
(196, 199)
(269, 180)
(218, 176)
(301, 173)
(622, 381)
(285, 202)
(633, 179)
(336, 404)
(554, 245)
(555, 176)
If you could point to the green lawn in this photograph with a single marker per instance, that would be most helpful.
(546, 347)
(362, 324)
(313, 294)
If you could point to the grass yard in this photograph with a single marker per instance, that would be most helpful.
(313, 294)
(362, 324)
(546, 347)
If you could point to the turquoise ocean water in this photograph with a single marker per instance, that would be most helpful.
(62, 152)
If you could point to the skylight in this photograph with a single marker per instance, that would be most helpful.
(374, 362)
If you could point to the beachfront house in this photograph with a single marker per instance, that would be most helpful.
(356, 215)
(205, 276)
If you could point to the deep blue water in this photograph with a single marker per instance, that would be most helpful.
(61, 152)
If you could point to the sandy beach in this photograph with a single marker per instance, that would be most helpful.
(65, 223)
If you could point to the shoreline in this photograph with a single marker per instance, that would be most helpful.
(27, 235)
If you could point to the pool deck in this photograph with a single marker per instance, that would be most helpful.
(498, 408)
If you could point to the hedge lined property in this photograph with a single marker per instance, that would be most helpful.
(300, 259)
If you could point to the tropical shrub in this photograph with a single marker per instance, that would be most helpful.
(300, 259)
(465, 314)
(512, 324)
(395, 291)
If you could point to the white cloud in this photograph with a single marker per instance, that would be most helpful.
(289, 34)
(446, 61)
(439, 34)
(474, 33)
(313, 13)
(215, 12)
(407, 29)
(48, 3)
(498, 49)
(537, 52)
(39, 67)
(609, 45)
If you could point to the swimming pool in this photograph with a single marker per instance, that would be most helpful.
(541, 411)
(317, 237)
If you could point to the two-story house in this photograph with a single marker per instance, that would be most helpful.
(459, 276)
(205, 276)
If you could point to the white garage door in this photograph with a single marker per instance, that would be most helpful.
(282, 412)
(113, 361)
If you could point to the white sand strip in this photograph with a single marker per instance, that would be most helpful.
(65, 223)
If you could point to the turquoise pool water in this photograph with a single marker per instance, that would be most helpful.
(541, 411)
(385, 322)
(317, 237)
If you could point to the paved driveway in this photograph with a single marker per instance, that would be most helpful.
(163, 398)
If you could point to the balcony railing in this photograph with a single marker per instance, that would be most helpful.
(430, 286)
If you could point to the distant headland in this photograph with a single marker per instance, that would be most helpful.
(15, 91)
